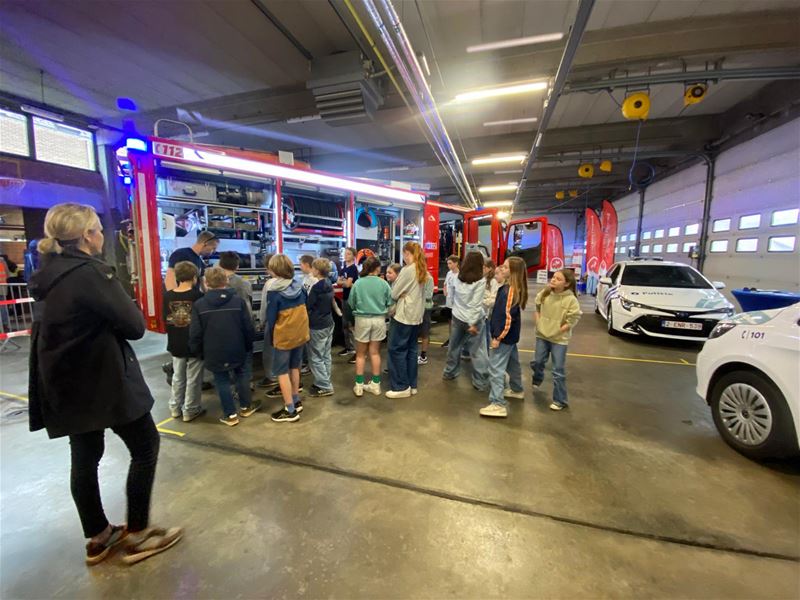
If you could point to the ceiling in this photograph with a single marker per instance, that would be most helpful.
(243, 66)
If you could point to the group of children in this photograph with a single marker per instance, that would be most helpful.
(485, 302)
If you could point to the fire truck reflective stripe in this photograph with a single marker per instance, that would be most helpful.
(144, 220)
(17, 301)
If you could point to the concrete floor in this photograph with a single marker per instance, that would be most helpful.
(630, 493)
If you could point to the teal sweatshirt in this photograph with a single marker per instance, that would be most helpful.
(370, 297)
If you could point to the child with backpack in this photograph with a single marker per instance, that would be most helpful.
(369, 301)
(287, 322)
(505, 323)
(222, 333)
(187, 378)
(557, 313)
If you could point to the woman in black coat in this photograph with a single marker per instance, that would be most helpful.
(84, 379)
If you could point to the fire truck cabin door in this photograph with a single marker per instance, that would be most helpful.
(526, 238)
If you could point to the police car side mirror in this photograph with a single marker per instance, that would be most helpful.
(718, 285)
(605, 280)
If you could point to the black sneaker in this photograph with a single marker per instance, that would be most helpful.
(344, 352)
(319, 392)
(276, 392)
(255, 405)
(422, 360)
(207, 385)
(305, 370)
(446, 344)
(284, 416)
(351, 360)
(267, 382)
(298, 406)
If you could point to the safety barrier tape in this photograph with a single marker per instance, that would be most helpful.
(16, 301)
(13, 334)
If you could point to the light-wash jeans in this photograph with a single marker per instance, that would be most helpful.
(545, 348)
(476, 345)
(187, 385)
(319, 356)
(503, 359)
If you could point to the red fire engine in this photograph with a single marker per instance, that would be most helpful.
(257, 204)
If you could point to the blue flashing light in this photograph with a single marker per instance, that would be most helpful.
(126, 104)
(126, 180)
(136, 144)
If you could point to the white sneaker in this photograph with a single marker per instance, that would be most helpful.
(509, 393)
(358, 390)
(373, 387)
(413, 391)
(557, 406)
(401, 394)
(494, 410)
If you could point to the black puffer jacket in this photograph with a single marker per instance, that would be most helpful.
(83, 376)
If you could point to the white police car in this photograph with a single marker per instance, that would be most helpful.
(660, 299)
(748, 373)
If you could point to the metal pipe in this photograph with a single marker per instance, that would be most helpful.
(570, 49)
(701, 254)
(416, 70)
(393, 79)
(715, 75)
(406, 77)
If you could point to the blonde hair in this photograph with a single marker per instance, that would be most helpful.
(65, 225)
(420, 263)
(518, 280)
(323, 265)
(216, 278)
(281, 265)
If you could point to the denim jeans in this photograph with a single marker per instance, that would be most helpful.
(238, 378)
(319, 357)
(476, 346)
(545, 348)
(503, 359)
(86, 449)
(187, 385)
(403, 356)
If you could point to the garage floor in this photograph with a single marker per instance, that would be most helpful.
(630, 493)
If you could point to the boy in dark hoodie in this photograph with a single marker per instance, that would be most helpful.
(222, 333)
(320, 323)
(287, 322)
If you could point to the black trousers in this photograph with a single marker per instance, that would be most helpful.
(141, 438)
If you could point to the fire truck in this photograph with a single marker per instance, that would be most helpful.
(259, 203)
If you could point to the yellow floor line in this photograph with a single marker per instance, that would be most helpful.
(14, 396)
(164, 421)
(171, 432)
(683, 362)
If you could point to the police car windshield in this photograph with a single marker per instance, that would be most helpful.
(663, 276)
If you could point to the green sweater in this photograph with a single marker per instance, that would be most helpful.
(370, 296)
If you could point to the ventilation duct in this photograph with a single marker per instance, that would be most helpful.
(343, 90)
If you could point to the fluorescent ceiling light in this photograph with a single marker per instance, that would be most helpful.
(496, 203)
(503, 214)
(290, 174)
(491, 160)
(487, 189)
(510, 122)
(506, 90)
(514, 42)
(387, 169)
(508, 171)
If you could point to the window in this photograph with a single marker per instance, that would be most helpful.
(747, 244)
(784, 217)
(719, 246)
(659, 233)
(623, 249)
(646, 249)
(614, 272)
(721, 225)
(14, 133)
(672, 248)
(692, 229)
(646, 235)
(664, 276)
(674, 231)
(749, 222)
(527, 240)
(616, 250)
(687, 247)
(617, 240)
(658, 248)
(632, 237)
(624, 238)
(63, 145)
(783, 243)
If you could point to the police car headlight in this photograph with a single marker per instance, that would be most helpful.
(628, 304)
(721, 329)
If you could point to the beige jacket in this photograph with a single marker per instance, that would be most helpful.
(554, 311)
